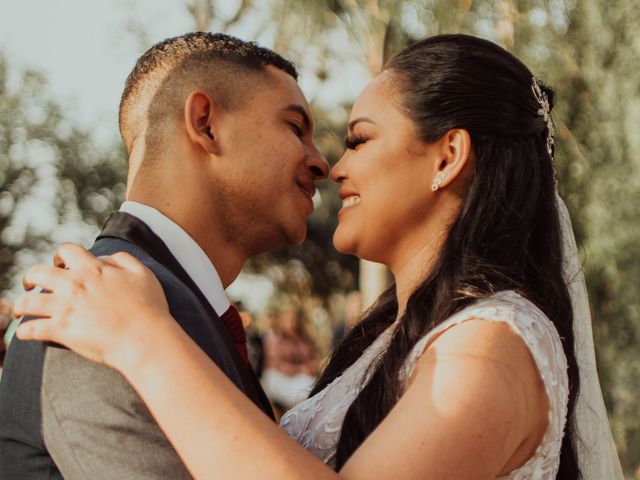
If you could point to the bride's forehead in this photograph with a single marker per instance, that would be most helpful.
(377, 95)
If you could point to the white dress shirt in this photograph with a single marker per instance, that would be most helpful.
(186, 251)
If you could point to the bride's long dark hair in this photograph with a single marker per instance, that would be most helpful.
(506, 237)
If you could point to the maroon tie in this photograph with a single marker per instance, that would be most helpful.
(232, 320)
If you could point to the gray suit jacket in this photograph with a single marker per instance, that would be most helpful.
(64, 416)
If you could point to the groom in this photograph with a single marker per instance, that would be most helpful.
(221, 167)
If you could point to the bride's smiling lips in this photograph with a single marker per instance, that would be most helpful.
(349, 198)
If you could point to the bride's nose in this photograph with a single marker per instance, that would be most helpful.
(339, 172)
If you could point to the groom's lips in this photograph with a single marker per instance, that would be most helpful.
(308, 188)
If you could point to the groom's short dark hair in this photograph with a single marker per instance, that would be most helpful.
(224, 65)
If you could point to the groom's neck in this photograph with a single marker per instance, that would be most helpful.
(201, 225)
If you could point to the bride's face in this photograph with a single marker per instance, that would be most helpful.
(385, 176)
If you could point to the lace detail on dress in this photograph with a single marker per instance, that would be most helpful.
(316, 422)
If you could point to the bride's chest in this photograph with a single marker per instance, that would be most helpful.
(316, 422)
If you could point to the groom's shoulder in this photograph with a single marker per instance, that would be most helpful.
(109, 246)
(173, 287)
(183, 302)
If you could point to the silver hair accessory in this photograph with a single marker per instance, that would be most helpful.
(545, 112)
(438, 181)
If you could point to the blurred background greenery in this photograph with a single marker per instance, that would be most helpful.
(589, 50)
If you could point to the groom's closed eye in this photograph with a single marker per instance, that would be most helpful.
(304, 121)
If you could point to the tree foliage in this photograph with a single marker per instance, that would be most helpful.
(51, 172)
(602, 110)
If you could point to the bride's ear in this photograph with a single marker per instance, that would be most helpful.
(454, 153)
(200, 115)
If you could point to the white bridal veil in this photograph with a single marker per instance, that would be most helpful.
(596, 449)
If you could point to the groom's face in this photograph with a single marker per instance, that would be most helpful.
(271, 180)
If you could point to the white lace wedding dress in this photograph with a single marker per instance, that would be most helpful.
(316, 422)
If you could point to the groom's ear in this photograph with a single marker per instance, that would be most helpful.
(199, 112)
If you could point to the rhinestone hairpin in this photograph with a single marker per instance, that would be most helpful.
(545, 112)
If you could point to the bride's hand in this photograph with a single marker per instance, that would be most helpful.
(105, 309)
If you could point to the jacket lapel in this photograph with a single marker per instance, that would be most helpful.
(127, 227)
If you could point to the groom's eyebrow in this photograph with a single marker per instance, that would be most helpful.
(299, 109)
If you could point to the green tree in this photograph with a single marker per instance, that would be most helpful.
(602, 90)
(45, 160)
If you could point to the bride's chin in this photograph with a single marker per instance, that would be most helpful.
(343, 245)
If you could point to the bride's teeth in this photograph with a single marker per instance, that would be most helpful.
(349, 201)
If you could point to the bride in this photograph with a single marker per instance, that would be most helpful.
(464, 369)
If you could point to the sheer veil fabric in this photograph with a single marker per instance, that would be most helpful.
(596, 450)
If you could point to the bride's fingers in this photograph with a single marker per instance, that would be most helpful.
(70, 255)
(43, 330)
(33, 304)
(43, 276)
(129, 262)
(108, 260)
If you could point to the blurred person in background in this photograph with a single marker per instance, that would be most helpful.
(291, 362)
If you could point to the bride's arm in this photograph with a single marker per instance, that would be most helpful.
(462, 416)
(216, 430)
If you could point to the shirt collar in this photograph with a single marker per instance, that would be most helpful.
(186, 251)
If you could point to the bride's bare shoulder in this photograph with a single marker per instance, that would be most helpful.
(475, 407)
(487, 366)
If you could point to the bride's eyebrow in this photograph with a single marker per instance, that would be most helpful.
(355, 121)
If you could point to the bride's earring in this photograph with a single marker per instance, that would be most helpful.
(438, 181)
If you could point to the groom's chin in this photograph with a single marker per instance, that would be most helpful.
(297, 236)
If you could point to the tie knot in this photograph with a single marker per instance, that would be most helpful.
(233, 322)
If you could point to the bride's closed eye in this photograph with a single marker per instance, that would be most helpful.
(351, 142)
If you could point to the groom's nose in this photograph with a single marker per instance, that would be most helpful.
(317, 163)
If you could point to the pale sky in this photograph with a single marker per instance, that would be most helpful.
(86, 49)
(83, 48)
